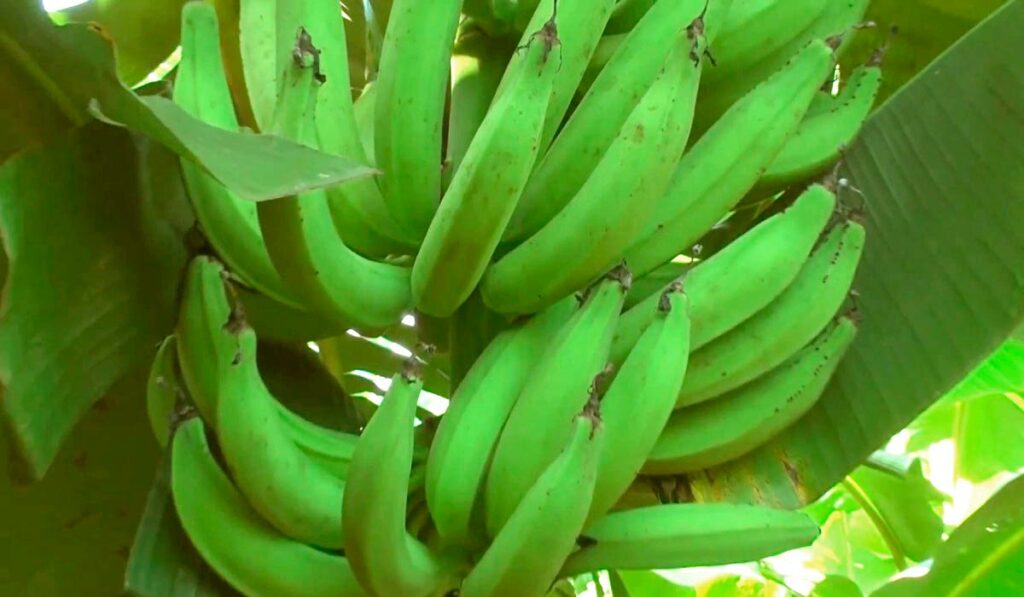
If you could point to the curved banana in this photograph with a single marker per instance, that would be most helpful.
(282, 483)
(469, 430)
(756, 29)
(385, 558)
(485, 188)
(836, 23)
(832, 123)
(302, 240)
(764, 341)
(609, 209)
(227, 221)
(598, 119)
(206, 348)
(709, 434)
(364, 110)
(770, 256)
(556, 391)
(526, 554)
(164, 388)
(727, 161)
(576, 27)
(411, 91)
(671, 536)
(241, 547)
(478, 62)
(640, 400)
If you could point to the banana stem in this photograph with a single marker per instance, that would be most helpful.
(858, 494)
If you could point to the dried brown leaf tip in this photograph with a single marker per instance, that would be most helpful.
(412, 369)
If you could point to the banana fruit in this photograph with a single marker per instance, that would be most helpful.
(668, 536)
(609, 227)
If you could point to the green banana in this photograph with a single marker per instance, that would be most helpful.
(469, 430)
(304, 244)
(770, 257)
(164, 389)
(610, 208)
(599, 117)
(670, 536)
(205, 349)
(281, 482)
(228, 221)
(606, 48)
(485, 188)
(640, 400)
(709, 434)
(577, 29)
(385, 558)
(241, 547)
(527, 553)
(776, 332)
(478, 62)
(411, 91)
(759, 28)
(832, 123)
(727, 161)
(835, 23)
(557, 390)
(357, 208)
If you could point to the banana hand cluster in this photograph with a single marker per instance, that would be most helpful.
(548, 173)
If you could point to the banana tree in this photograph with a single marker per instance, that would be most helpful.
(103, 143)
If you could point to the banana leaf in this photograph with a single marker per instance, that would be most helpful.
(938, 171)
(70, 533)
(92, 231)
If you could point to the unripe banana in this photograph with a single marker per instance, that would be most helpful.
(764, 341)
(831, 124)
(465, 439)
(241, 547)
(640, 400)
(709, 434)
(228, 221)
(302, 240)
(726, 162)
(836, 23)
(628, 14)
(770, 256)
(672, 536)
(610, 208)
(578, 27)
(527, 553)
(282, 483)
(599, 117)
(385, 558)
(556, 391)
(411, 90)
(478, 63)
(486, 187)
(656, 282)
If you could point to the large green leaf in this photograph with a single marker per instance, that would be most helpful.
(980, 429)
(73, 67)
(92, 229)
(914, 32)
(942, 280)
(70, 533)
(1001, 372)
(985, 556)
(144, 33)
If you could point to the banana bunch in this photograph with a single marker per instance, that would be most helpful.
(549, 171)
